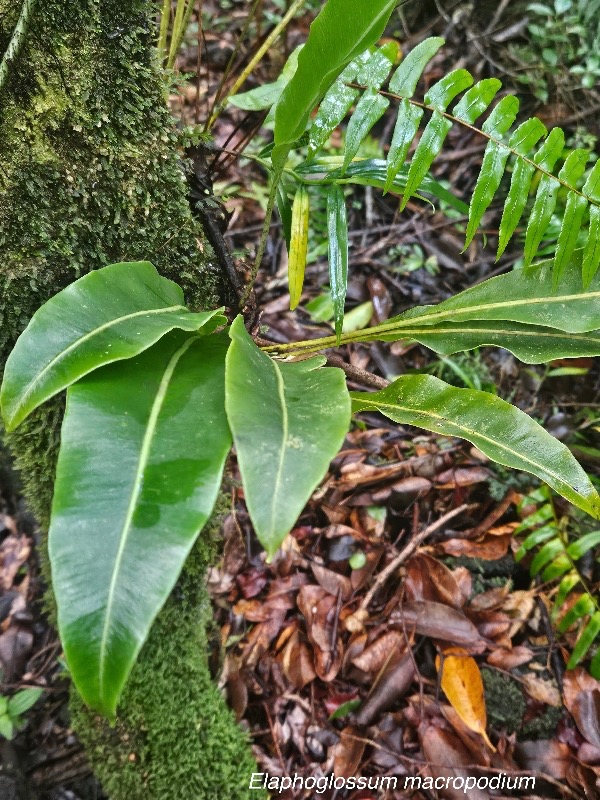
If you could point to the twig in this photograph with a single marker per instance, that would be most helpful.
(407, 552)
(357, 374)
(16, 40)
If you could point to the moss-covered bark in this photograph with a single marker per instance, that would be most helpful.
(89, 175)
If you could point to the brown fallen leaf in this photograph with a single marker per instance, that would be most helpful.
(462, 476)
(332, 581)
(429, 579)
(462, 684)
(509, 659)
(541, 690)
(348, 753)
(319, 609)
(549, 757)
(447, 757)
(296, 661)
(438, 622)
(378, 653)
(393, 683)
(581, 695)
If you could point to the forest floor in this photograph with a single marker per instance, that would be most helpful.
(323, 653)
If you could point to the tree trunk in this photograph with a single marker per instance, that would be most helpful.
(90, 175)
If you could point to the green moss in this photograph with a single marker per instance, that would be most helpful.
(90, 175)
(504, 700)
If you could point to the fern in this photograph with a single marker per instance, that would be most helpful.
(556, 559)
(529, 149)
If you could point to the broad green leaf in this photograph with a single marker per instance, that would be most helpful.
(298, 245)
(427, 150)
(369, 110)
(22, 701)
(537, 537)
(288, 421)
(504, 433)
(335, 105)
(591, 257)
(110, 314)
(407, 125)
(340, 32)
(7, 729)
(405, 79)
(522, 141)
(143, 446)
(337, 232)
(477, 100)
(532, 344)
(572, 171)
(545, 197)
(358, 318)
(520, 296)
(585, 641)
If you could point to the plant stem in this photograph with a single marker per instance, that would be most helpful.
(256, 58)
(183, 14)
(264, 236)
(164, 28)
(17, 39)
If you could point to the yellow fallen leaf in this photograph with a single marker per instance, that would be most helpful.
(298, 245)
(462, 684)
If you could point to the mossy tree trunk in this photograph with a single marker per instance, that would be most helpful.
(90, 175)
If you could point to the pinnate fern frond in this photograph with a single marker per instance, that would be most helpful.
(529, 148)
(556, 559)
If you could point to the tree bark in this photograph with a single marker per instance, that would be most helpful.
(90, 175)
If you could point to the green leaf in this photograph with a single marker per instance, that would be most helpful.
(571, 172)
(284, 207)
(494, 162)
(522, 141)
(442, 93)
(558, 567)
(265, 96)
(298, 245)
(337, 231)
(340, 32)
(504, 433)
(335, 105)
(427, 150)
(377, 68)
(519, 296)
(532, 344)
(142, 452)
(546, 554)
(22, 701)
(591, 258)
(369, 110)
(405, 79)
(580, 547)
(358, 318)
(6, 727)
(288, 421)
(477, 100)
(566, 586)
(582, 608)
(585, 641)
(545, 197)
(407, 125)
(108, 315)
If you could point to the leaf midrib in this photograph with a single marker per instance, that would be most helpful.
(285, 434)
(31, 386)
(460, 426)
(126, 529)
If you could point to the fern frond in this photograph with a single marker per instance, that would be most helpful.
(555, 559)
(528, 149)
